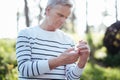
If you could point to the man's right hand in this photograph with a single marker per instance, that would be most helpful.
(68, 57)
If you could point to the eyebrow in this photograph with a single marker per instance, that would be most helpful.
(62, 15)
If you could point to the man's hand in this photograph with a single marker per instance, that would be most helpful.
(84, 52)
(68, 57)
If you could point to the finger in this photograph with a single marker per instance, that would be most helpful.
(82, 42)
(85, 50)
(83, 47)
(70, 49)
(80, 45)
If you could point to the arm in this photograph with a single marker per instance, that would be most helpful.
(84, 52)
(68, 57)
(26, 66)
(73, 72)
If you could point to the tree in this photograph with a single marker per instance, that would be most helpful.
(112, 38)
(26, 10)
(116, 9)
(87, 27)
(41, 9)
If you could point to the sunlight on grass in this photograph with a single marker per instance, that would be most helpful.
(101, 53)
(96, 72)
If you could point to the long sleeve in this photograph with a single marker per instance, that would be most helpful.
(73, 72)
(26, 66)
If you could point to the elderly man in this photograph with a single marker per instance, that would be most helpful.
(46, 53)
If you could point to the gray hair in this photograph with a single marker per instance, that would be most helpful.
(52, 3)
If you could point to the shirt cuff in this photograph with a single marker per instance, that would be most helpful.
(78, 71)
(43, 66)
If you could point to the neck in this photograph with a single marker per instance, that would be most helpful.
(44, 25)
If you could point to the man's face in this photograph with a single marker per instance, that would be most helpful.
(56, 16)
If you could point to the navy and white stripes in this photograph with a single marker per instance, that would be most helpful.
(35, 47)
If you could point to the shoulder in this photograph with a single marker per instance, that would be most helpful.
(66, 36)
(27, 31)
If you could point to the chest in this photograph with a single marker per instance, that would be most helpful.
(48, 48)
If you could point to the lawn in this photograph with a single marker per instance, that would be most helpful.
(97, 72)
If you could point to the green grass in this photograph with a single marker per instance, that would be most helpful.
(8, 63)
(96, 72)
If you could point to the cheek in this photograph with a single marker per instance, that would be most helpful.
(55, 19)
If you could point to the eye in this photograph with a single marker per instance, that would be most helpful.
(60, 15)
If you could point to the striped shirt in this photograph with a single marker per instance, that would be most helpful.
(35, 46)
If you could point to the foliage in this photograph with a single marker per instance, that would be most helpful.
(112, 38)
(99, 52)
(95, 43)
(96, 72)
(112, 60)
(7, 60)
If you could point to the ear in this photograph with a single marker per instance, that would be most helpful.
(47, 10)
